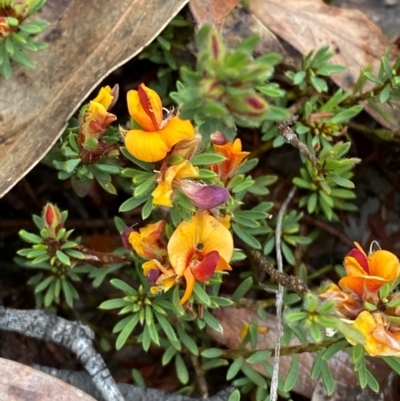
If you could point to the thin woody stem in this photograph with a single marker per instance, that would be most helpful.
(290, 137)
(293, 283)
(101, 258)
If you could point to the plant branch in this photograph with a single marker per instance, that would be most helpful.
(290, 137)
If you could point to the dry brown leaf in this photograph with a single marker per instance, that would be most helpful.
(232, 321)
(19, 382)
(211, 11)
(87, 40)
(311, 24)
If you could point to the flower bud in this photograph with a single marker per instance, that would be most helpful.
(204, 196)
(218, 138)
(5, 28)
(186, 149)
(52, 220)
(125, 237)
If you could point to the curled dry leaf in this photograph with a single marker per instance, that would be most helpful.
(21, 382)
(233, 320)
(87, 40)
(311, 24)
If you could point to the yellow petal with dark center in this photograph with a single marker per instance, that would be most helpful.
(203, 232)
(146, 146)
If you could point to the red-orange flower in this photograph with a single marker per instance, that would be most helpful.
(198, 248)
(234, 157)
(157, 135)
(368, 273)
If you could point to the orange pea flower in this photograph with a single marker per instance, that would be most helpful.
(198, 248)
(157, 135)
(147, 242)
(366, 274)
(164, 190)
(234, 157)
(379, 339)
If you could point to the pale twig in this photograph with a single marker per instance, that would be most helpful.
(290, 137)
(279, 296)
(74, 336)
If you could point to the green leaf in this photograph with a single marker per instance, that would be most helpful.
(342, 182)
(207, 158)
(29, 237)
(144, 187)
(247, 238)
(113, 304)
(235, 396)
(168, 355)
(44, 284)
(275, 113)
(121, 285)
(243, 288)
(126, 331)
(187, 341)
(234, 368)
(346, 115)
(201, 295)
(166, 326)
(214, 363)
(181, 369)
(259, 356)
(212, 322)
(255, 377)
(381, 111)
(327, 378)
(131, 203)
(291, 377)
(316, 367)
(63, 258)
(333, 350)
(138, 378)
(212, 353)
(319, 84)
(75, 254)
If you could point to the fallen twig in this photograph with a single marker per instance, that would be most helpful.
(74, 336)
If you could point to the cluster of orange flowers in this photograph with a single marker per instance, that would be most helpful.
(203, 245)
(359, 298)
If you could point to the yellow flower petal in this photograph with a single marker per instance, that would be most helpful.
(190, 283)
(162, 193)
(384, 264)
(104, 97)
(379, 341)
(146, 146)
(145, 110)
(203, 232)
(176, 130)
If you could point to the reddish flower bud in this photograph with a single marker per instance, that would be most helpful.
(125, 237)
(204, 196)
(52, 220)
(5, 28)
(218, 138)
(153, 275)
